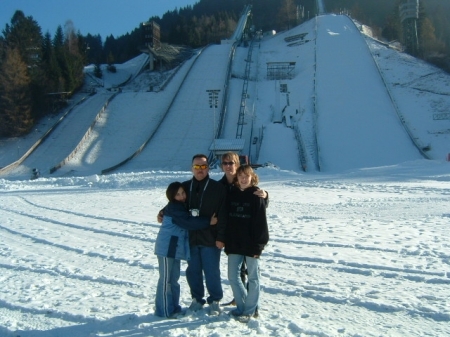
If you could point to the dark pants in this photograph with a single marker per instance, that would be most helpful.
(204, 261)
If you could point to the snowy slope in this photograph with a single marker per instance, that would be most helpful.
(189, 125)
(421, 93)
(65, 138)
(357, 121)
(139, 111)
(340, 113)
(353, 251)
(364, 253)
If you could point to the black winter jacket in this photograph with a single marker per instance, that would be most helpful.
(247, 232)
(229, 187)
(208, 196)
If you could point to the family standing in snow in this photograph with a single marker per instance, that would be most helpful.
(240, 227)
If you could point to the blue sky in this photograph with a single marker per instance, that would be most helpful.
(104, 17)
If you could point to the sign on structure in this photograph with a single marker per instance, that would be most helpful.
(441, 116)
(409, 10)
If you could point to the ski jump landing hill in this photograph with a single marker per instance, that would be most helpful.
(355, 115)
(66, 139)
(128, 122)
(191, 122)
(62, 139)
(340, 113)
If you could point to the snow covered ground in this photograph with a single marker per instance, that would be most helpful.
(359, 249)
(365, 253)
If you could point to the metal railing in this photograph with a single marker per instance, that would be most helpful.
(244, 94)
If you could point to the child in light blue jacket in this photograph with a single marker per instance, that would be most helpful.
(172, 246)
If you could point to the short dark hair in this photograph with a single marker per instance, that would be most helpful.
(172, 190)
(199, 155)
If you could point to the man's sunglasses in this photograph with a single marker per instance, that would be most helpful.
(228, 163)
(198, 167)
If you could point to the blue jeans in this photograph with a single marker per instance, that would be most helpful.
(246, 300)
(168, 289)
(204, 260)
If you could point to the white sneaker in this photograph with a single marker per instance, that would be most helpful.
(214, 308)
(195, 306)
(244, 318)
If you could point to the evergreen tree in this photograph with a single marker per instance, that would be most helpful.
(263, 14)
(24, 34)
(428, 43)
(70, 60)
(392, 29)
(15, 104)
(73, 59)
(98, 71)
(286, 17)
(94, 48)
(110, 47)
(58, 50)
(438, 13)
(50, 65)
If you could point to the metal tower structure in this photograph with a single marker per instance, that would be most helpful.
(409, 14)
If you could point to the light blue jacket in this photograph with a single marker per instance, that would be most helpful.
(173, 237)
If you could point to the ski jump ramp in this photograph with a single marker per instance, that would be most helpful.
(357, 122)
(191, 122)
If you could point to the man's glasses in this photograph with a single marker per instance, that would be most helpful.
(228, 163)
(198, 167)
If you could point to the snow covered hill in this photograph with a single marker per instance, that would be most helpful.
(359, 241)
(357, 121)
(350, 102)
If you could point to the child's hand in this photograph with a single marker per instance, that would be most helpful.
(159, 217)
(213, 220)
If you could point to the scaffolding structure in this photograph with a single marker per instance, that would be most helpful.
(280, 70)
(409, 14)
(151, 34)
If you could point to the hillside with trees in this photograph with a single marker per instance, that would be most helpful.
(383, 17)
(38, 73)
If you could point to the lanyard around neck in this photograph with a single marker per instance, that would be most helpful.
(201, 199)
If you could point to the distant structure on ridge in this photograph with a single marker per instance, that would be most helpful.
(151, 35)
(162, 56)
(409, 14)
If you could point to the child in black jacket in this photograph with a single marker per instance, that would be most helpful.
(247, 234)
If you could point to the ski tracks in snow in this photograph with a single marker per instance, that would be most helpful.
(337, 252)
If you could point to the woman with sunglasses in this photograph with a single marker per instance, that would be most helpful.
(230, 163)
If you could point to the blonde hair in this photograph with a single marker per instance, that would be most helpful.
(231, 156)
(248, 171)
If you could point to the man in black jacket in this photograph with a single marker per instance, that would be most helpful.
(205, 197)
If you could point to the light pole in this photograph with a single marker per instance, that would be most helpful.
(213, 99)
